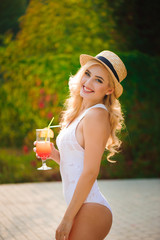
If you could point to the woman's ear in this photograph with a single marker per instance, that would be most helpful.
(111, 90)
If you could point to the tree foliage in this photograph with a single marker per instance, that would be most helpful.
(37, 64)
(64, 27)
(10, 11)
(137, 25)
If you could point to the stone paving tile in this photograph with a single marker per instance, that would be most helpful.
(32, 211)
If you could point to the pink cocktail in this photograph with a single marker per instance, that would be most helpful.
(43, 149)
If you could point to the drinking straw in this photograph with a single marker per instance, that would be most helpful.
(50, 122)
(49, 127)
(55, 126)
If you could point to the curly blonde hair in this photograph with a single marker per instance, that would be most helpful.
(73, 107)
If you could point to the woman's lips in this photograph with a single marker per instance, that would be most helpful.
(87, 90)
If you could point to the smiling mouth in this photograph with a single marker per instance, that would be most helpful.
(87, 90)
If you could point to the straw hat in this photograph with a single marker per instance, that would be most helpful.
(114, 65)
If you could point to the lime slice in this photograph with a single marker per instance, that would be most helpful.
(47, 132)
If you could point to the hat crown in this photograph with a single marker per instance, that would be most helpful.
(116, 62)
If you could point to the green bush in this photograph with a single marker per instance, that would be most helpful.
(35, 93)
(22, 113)
(35, 66)
(141, 103)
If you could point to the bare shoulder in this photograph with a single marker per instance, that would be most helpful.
(97, 117)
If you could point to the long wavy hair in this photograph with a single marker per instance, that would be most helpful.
(73, 105)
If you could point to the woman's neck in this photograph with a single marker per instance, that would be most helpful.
(86, 105)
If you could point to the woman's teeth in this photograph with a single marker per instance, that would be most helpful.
(87, 90)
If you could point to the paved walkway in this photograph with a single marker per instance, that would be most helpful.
(32, 211)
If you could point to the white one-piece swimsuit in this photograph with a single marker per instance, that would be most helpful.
(71, 162)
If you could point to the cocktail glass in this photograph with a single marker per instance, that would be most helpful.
(43, 147)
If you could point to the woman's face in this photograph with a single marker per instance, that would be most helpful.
(95, 84)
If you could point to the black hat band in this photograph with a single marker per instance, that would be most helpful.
(109, 64)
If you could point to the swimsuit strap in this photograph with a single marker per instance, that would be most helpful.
(94, 106)
(78, 119)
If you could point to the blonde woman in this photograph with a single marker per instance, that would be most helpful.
(89, 124)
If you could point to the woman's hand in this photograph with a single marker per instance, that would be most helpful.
(63, 230)
(34, 149)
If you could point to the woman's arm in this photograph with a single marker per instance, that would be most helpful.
(55, 155)
(96, 129)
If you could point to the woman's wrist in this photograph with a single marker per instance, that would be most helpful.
(55, 156)
(68, 217)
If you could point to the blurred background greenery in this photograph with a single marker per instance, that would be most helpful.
(40, 44)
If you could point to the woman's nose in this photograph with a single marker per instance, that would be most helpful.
(89, 82)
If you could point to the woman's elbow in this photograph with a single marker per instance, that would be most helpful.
(90, 174)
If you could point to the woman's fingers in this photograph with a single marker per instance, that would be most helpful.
(34, 149)
(37, 156)
(52, 144)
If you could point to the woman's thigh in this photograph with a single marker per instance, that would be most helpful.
(92, 222)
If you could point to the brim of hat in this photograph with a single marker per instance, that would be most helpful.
(84, 58)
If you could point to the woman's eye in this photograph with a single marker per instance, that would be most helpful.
(87, 73)
(99, 80)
